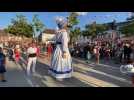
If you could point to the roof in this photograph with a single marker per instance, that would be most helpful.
(49, 31)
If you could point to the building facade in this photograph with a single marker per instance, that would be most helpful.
(47, 35)
(12, 39)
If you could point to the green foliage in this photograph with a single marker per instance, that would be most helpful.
(75, 33)
(73, 20)
(93, 29)
(128, 30)
(20, 27)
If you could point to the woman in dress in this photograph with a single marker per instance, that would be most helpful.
(61, 62)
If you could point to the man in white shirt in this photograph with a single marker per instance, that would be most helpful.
(32, 58)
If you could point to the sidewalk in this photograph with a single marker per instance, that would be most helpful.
(15, 76)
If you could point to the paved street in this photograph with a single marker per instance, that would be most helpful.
(15, 76)
(85, 75)
(87, 35)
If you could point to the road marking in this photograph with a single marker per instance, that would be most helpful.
(111, 76)
(93, 81)
(27, 78)
(108, 66)
(102, 73)
(29, 81)
(89, 77)
(108, 75)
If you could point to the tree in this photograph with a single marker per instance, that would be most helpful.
(74, 34)
(128, 30)
(73, 20)
(101, 28)
(37, 25)
(20, 27)
(93, 29)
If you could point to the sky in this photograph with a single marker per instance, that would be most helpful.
(48, 18)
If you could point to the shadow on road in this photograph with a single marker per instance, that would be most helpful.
(106, 70)
(42, 69)
(44, 79)
(14, 76)
(105, 78)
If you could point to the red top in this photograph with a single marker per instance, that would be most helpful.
(17, 53)
(49, 49)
